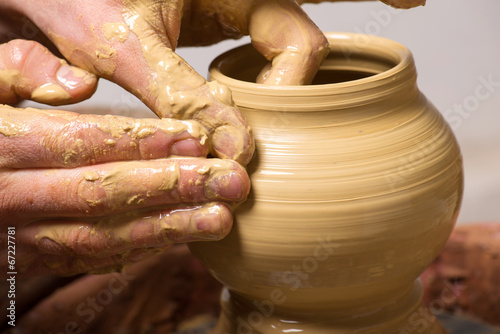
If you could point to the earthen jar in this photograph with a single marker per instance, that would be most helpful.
(356, 185)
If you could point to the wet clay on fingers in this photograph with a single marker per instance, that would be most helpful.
(9, 126)
(182, 93)
(137, 184)
(294, 56)
(50, 94)
(99, 59)
(356, 185)
(140, 232)
(66, 139)
(29, 70)
(116, 30)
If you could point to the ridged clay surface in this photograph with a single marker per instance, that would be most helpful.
(356, 186)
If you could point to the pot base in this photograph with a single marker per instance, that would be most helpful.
(241, 315)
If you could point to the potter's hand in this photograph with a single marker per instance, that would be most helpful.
(92, 193)
(29, 71)
(96, 36)
(132, 43)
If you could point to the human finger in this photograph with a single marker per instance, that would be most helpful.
(113, 235)
(75, 246)
(172, 88)
(133, 46)
(32, 264)
(55, 138)
(283, 33)
(119, 187)
(29, 70)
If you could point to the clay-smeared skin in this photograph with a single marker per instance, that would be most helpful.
(131, 43)
(295, 49)
(91, 46)
(29, 71)
(90, 193)
(279, 29)
(93, 35)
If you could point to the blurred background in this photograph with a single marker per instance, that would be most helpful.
(456, 46)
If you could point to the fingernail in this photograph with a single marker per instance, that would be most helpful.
(72, 77)
(208, 225)
(186, 147)
(225, 187)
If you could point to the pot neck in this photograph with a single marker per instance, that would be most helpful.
(388, 67)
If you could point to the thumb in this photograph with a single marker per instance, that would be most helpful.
(134, 47)
(29, 71)
(283, 33)
(172, 88)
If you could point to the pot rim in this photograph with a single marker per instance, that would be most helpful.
(402, 73)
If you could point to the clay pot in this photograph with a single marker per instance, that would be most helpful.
(356, 185)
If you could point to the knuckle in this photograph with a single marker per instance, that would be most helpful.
(69, 145)
(319, 45)
(7, 147)
(83, 241)
(9, 198)
(88, 194)
(50, 246)
(173, 228)
(18, 51)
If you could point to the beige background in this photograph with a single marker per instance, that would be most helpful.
(456, 45)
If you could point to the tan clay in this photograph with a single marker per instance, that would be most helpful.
(116, 30)
(8, 77)
(105, 55)
(18, 122)
(171, 75)
(8, 126)
(117, 127)
(356, 185)
(294, 54)
(125, 185)
(50, 93)
(180, 92)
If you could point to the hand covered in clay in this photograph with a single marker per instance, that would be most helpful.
(78, 188)
(90, 193)
(76, 204)
(132, 43)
